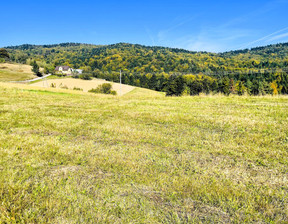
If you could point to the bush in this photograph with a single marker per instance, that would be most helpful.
(105, 88)
(85, 76)
(39, 74)
(59, 74)
(64, 87)
(77, 88)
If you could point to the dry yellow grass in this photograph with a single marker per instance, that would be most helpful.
(83, 84)
(16, 68)
(22, 86)
(15, 72)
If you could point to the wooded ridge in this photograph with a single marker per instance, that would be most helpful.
(260, 70)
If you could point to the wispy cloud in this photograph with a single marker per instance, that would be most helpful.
(163, 34)
(224, 36)
(278, 37)
(180, 23)
(214, 39)
(270, 37)
(206, 38)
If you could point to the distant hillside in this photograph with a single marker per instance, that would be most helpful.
(145, 59)
(276, 51)
(256, 71)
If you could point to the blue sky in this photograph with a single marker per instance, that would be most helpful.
(206, 25)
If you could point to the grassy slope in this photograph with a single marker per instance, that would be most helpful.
(85, 85)
(74, 158)
(15, 72)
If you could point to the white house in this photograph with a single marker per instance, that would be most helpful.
(64, 70)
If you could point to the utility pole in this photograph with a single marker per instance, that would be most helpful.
(120, 84)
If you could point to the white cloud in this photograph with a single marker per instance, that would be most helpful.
(278, 37)
(266, 38)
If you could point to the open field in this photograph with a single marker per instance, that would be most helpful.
(141, 158)
(15, 72)
(86, 85)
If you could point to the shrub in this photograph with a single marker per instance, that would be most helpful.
(105, 88)
(77, 88)
(59, 74)
(85, 76)
(64, 87)
(39, 74)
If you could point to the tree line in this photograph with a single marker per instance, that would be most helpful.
(177, 84)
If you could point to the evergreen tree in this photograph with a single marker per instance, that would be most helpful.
(267, 87)
(171, 88)
(131, 80)
(206, 85)
(180, 83)
(240, 88)
(214, 86)
(226, 86)
(249, 85)
(4, 53)
(261, 89)
(175, 86)
(195, 86)
(152, 82)
(144, 81)
(35, 68)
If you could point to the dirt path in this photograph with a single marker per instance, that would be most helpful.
(31, 80)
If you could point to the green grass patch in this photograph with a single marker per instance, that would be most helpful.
(46, 92)
(142, 158)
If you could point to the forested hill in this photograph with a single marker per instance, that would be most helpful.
(256, 71)
(276, 50)
(143, 59)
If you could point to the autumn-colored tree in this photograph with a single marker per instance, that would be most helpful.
(274, 87)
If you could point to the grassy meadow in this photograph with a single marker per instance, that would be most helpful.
(67, 157)
(15, 72)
